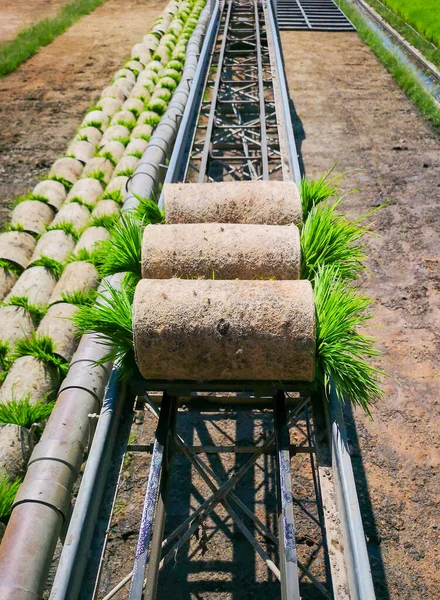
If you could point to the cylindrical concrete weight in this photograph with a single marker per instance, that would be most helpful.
(259, 202)
(222, 251)
(224, 330)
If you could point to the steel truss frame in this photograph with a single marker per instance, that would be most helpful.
(237, 136)
(152, 549)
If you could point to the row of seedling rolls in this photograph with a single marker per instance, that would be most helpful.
(241, 281)
(50, 253)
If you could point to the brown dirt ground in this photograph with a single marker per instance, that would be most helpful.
(43, 101)
(351, 111)
(19, 15)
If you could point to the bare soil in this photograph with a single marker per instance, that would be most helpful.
(351, 111)
(43, 101)
(18, 15)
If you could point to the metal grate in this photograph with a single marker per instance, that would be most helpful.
(319, 15)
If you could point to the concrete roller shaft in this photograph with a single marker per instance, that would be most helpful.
(258, 202)
(221, 251)
(225, 330)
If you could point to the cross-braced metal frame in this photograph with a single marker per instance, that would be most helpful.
(237, 136)
(292, 439)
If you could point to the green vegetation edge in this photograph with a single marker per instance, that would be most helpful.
(30, 40)
(403, 76)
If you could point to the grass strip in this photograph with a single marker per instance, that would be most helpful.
(30, 40)
(8, 491)
(423, 15)
(416, 39)
(403, 76)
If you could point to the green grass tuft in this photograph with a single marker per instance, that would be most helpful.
(99, 175)
(36, 310)
(67, 227)
(85, 256)
(52, 265)
(111, 319)
(82, 202)
(115, 195)
(11, 227)
(24, 413)
(121, 253)
(148, 211)
(66, 183)
(10, 266)
(28, 42)
(84, 297)
(5, 360)
(106, 221)
(343, 353)
(8, 491)
(329, 238)
(315, 191)
(42, 348)
(109, 156)
(125, 172)
(124, 140)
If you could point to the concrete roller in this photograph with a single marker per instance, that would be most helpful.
(227, 330)
(222, 251)
(259, 202)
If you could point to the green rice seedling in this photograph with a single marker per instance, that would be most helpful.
(136, 153)
(92, 108)
(173, 74)
(168, 83)
(115, 195)
(168, 44)
(106, 221)
(67, 227)
(111, 319)
(343, 353)
(148, 211)
(66, 183)
(11, 267)
(23, 413)
(109, 156)
(30, 196)
(124, 140)
(5, 360)
(96, 124)
(155, 65)
(11, 227)
(149, 85)
(42, 348)
(130, 125)
(329, 238)
(84, 297)
(121, 253)
(37, 311)
(8, 491)
(83, 137)
(149, 117)
(83, 255)
(129, 172)
(52, 265)
(175, 65)
(314, 191)
(99, 175)
(179, 56)
(158, 106)
(79, 200)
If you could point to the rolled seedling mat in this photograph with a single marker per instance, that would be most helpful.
(133, 104)
(221, 251)
(7, 281)
(88, 190)
(36, 284)
(96, 116)
(91, 134)
(128, 162)
(109, 105)
(91, 237)
(100, 164)
(15, 450)
(73, 213)
(67, 168)
(81, 150)
(124, 85)
(121, 73)
(17, 247)
(105, 207)
(114, 132)
(136, 145)
(78, 276)
(53, 191)
(118, 183)
(227, 330)
(124, 117)
(134, 65)
(16, 323)
(114, 148)
(55, 244)
(112, 91)
(257, 202)
(29, 377)
(142, 131)
(33, 216)
(58, 325)
(139, 92)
